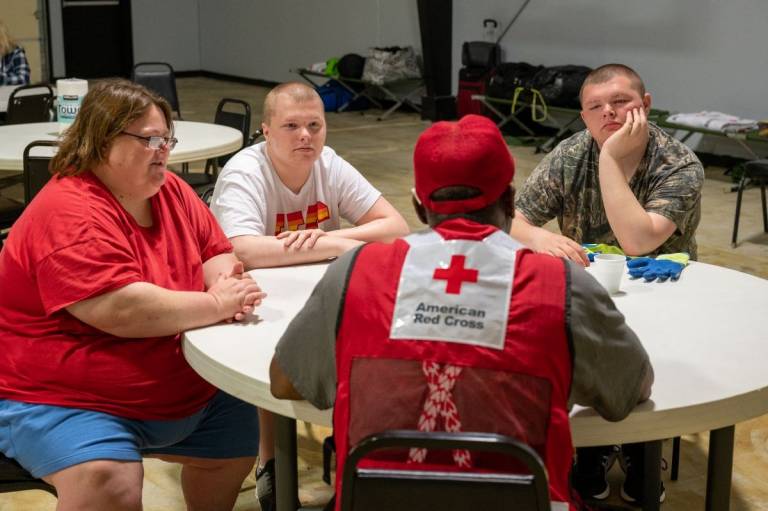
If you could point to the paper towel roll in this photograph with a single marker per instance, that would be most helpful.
(70, 94)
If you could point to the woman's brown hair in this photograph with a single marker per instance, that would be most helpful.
(107, 109)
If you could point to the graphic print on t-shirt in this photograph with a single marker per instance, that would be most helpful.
(316, 213)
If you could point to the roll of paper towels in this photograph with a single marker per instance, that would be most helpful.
(70, 92)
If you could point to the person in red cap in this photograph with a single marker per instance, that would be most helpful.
(459, 327)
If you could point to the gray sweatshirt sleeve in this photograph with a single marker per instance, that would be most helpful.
(307, 350)
(611, 369)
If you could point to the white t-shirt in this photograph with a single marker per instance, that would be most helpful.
(250, 199)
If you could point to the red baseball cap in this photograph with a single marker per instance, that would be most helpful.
(470, 152)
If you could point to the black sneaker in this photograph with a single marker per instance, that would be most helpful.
(589, 472)
(634, 466)
(265, 486)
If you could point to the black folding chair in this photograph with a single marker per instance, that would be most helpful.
(239, 120)
(755, 172)
(159, 78)
(14, 478)
(35, 175)
(206, 195)
(30, 103)
(373, 489)
(36, 172)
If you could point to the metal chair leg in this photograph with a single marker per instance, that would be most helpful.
(675, 458)
(738, 211)
(765, 212)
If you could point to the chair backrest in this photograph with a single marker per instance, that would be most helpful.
(30, 103)
(239, 120)
(159, 78)
(14, 478)
(36, 173)
(374, 489)
(207, 195)
(757, 171)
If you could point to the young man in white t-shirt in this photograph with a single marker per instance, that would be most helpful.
(280, 202)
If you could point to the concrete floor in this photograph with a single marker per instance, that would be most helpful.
(382, 151)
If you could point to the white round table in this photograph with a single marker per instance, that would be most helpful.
(705, 336)
(197, 141)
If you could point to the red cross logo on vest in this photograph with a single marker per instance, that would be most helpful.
(455, 275)
(439, 403)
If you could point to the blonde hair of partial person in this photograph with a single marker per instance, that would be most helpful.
(7, 44)
(107, 109)
(297, 91)
(606, 72)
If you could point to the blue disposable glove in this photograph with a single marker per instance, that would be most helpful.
(652, 269)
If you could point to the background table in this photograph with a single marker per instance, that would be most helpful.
(197, 141)
(704, 334)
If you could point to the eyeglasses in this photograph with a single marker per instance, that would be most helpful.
(156, 142)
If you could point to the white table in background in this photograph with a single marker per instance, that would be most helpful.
(705, 335)
(197, 141)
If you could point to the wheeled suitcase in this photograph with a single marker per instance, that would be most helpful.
(479, 59)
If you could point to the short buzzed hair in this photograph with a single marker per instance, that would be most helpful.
(297, 91)
(604, 73)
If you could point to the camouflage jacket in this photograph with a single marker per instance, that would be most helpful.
(565, 185)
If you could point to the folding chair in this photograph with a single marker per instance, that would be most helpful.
(374, 489)
(30, 103)
(35, 175)
(159, 78)
(241, 121)
(14, 478)
(756, 172)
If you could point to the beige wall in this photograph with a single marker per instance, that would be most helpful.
(20, 17)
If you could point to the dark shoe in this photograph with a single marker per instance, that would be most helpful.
(634, 466)
(265, 486)
(589, 472)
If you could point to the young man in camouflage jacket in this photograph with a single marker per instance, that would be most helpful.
(622, 181)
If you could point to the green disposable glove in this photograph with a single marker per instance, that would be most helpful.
(593, 249)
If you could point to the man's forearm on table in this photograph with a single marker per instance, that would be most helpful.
(268, 251)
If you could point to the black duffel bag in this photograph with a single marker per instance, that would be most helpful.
(509, 76)
(560, 85)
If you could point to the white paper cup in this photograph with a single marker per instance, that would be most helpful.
(608, 270)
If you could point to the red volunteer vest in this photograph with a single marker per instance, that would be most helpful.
(519, 388)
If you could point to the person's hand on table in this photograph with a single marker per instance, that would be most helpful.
(559, 246)
(236, 294)
(628, 139)
(238, 271)
(296, 240)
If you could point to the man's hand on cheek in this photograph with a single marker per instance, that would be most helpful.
(631, 138)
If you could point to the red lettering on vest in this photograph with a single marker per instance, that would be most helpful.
(455, 275)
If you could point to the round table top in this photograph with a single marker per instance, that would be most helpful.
(197, 141)
(704, 334)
